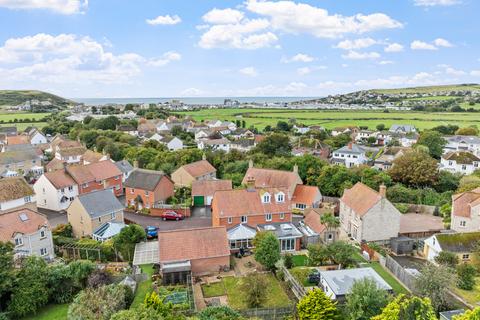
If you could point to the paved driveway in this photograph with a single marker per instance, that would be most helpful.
(188, 223)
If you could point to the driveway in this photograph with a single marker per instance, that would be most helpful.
(188, 223)
(54, 218)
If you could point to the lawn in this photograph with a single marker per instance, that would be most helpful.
(51, 312)
(276, 296)
(301, 275)
(143, 287)
(300, 260)
(472, 296)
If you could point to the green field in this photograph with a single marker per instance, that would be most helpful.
(429, 89)
(8, 119)
(331, 119)
(440, 98)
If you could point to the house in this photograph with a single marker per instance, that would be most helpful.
(91, 211)
(172, 143)
(301, 129)
(320, 150)
(129, 129)
(242, 133)
(97, 176)
(466, 211)
(385, 161)
(92, 157)
(36, 137)
(214, 144)
(289, 236)
(147, 188)
(312, 220)
(15, 194)
(352, 131)
(19, 139)
(462, 244)
(242, 144)
(125, 167)
(337, 283)
(29, 231)
(306, 197)
(199, 251)
(462, 162)
(402, 128)
(270, 178)
(367, 215)
(203, 190)
(363, 135)
(351, 155)
(417, 225)
(55, 190)
(463, 143)
(8, 131)
(155, 137)
(199, 170)
(20, 163)
(146, 127)
(203, 134)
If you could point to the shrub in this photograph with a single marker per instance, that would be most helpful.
(447, 258)
(219, 313)
(255, 287)
(288, 260)
(99, 278)
(466, 276)
(316, 305)
(402, 207)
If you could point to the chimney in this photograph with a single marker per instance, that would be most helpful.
(383, 191)
(350, 145)
(250, 184)
(135, 164)
(250, 163)
(295, 168)
(64, 166)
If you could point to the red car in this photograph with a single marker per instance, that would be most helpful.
(172, 215)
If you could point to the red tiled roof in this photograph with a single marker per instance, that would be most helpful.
(243, 202)
(12, 140)
(97, 171)
(272, 178)
(54, 164)
(60, 179)
(360, 198)
(199, 168)
(191, 244)
(80, 174)
(463, 202)
(209, 187)
(305, 194)
(312, 219)
(11, 223)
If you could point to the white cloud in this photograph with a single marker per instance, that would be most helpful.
(58, 6)
(394, 47)
(432, 3)
(296, 18)
(249, 71)
(385, 62)
(475, 73)
(68, 58)
(223, 16)
(303, 71)
(447, 69)
(356, 44)
(164, 20)
(247, 34)
(442, 43)
(166, 58)
(299, 57)
(334, 85)
(421, 78)
(420, 45)
(355, 55)
(192, 92)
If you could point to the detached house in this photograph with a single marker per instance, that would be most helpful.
(147, 188)
(29, 231)
(367, 215)
(461, 244)
(199, 170)
(460, 162)
(402, 128)
(351, 155)
(463, 143)
(21, 162)
(15, 194)
(97, 176)
(385, 161)
(466, 211)
(36, 137)
(55, 190)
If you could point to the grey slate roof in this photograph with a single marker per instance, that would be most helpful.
(355, 149)
(402, 127)
(124, 166)
(466, 139)
(100, 203)
(144, 179)
(9, 131)
(10, 157)
(341, 281)
(281, 229)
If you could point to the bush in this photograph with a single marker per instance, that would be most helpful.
(99, 278)
(466, 276)
(447, 258)
(316, 305)
(402, 207)
(255, 287)
(219, 313)
(288, 260)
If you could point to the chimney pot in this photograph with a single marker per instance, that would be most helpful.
(350, 145)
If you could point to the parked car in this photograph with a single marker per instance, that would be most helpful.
(314, 277)
(172, 215)
(152, 232)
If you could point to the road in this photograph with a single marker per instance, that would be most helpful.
(188, 223)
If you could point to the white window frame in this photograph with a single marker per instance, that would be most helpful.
(43, 234)
(282, 215)
(18, 241)
(229, 220)
(268, 217)
(244, 219)
(44, 253)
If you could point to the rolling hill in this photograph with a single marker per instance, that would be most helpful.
(16, 97)
(430, 89)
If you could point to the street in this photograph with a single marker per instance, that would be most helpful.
(188, 223)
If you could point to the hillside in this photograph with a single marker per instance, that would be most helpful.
(17, 97)
(429, 89)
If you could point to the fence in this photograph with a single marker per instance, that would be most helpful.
(297, 289)
(405, 277)
(269, 314)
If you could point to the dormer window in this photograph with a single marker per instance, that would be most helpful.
(280, 197)
(18, 242)
(266, 198)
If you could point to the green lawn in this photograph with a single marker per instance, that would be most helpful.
(300, 260)
(143, 287)
(301, 275)
(213, 290)
(276, 296)
(51, 312)
(7, 116)
(472, 296)
(396, 286)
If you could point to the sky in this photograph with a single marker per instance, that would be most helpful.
(179, 48)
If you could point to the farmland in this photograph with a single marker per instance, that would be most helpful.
(16, 119)
(331, 119)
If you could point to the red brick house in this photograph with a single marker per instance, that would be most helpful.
(97, 176)
(147, 188)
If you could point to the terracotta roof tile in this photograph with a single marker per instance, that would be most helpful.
(463, 202)
(60, 179)
(305, 194)
(14, 188)
(199, 168)
(360, 198)
(97, 171)
(11, 223)
(312, 219)
(193, 244)
(209, 187)
(12, 140)
(272, 178)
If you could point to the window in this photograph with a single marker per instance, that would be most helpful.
(300, 206)
(330, 236)
(99, 219)
(288, 244)
(85, 185)
(244, 219)
(268, 217)
(27, 199)
(280, 197)
(463, 223)
(282, 216)
(62, 190)
(71, 198)
(146, 193)
(43, 251)
(266, 198)
(42, 234)
(464, 167)
(132, 191)
(229, 220)
(70, 188)
(18, 242)
(466, 256)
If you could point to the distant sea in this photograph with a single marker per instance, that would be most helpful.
(189, 100)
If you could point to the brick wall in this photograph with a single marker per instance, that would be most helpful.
(157, 212)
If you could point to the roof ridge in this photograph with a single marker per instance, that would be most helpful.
(193, 229)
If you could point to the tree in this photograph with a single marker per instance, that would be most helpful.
(254, 287)
(447, 258)
(341, 253)
(407, 308)
(434, 141)
(315, 305)
(275, 144)
(126, 240)
(267, 251)
(330, 221)
(30, 291)
(7, 274)
(283, 126)
(371, 140)
(415, 168)
(317, 254)
(434, 282)
(469, 315)
(365, 300)
(219, 313)
(288, 261)
(468, 131)
(466, 276)
(380, 127)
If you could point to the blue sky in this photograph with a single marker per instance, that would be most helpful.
(153, 48)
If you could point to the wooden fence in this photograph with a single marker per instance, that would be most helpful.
(403, 275)
(269, 313)
(297, 289)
